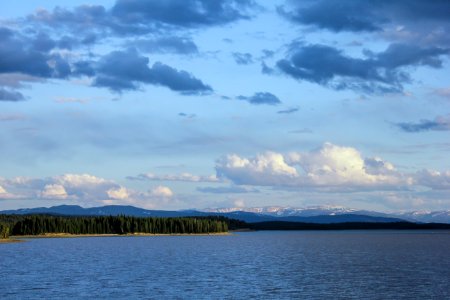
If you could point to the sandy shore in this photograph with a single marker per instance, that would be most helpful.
(67, 235)
(8, 241)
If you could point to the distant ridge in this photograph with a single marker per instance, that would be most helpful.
(250, 217)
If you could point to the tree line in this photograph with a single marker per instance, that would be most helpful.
(282, 225)
(42, 224)
(4, 231)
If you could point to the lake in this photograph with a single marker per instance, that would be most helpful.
(258, 265)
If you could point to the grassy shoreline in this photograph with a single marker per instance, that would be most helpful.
(68, 235)
(9, 241)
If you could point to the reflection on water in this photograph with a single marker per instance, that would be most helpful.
(267, 265)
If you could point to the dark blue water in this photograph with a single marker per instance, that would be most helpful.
(258, 265)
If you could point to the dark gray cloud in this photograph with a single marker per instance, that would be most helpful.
(288, 111)
(43, 43)
(83, 26)
(127, 70)
(8, 95)
(355, 15)
(333, 15)
(137, 17)
(261, 98)
(30, 55)
(243, 58)
(181, 13)
(33, 56)
(266, 69)
(173, 44)
(89, 22)
(84, 68)
(441, 123)
(150, 25)
(376, 73)
(28, 58)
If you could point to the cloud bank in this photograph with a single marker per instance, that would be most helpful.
(186, 177)
(383, 72)
(82, 189)
(331, 166)
(410, 21)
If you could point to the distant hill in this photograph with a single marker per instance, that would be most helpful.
(276, 225)
(250, 217)
(344, 218)
(109, 210)
(427, 216)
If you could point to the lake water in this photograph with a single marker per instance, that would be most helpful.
(258, 265)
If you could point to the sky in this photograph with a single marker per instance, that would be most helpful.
(182, 104)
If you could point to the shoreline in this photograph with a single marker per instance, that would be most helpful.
(10, 241)
(243, 230)
(68, 235)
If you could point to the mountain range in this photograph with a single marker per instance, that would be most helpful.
(319, 214)
(442, 216)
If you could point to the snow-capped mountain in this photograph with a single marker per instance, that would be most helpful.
(427, 216)
(287, 211)
(280, 211)
(330, 210)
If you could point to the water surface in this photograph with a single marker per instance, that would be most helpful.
(258, 265)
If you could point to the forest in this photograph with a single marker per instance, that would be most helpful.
(43, 224)
(18, 225)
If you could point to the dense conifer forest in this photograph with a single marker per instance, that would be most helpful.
(42, 224)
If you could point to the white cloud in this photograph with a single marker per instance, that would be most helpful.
(269, 168)
(4, 194)
(54, 191)
(187, 177)
(120, 193)
(76, 187)
(162, 191)
(328, 166)
(333, 165)
(433, 179)
(83, 189)
(395, 200)
(324, 173)
(77, 180)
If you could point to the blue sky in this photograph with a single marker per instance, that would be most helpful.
(194, 104)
